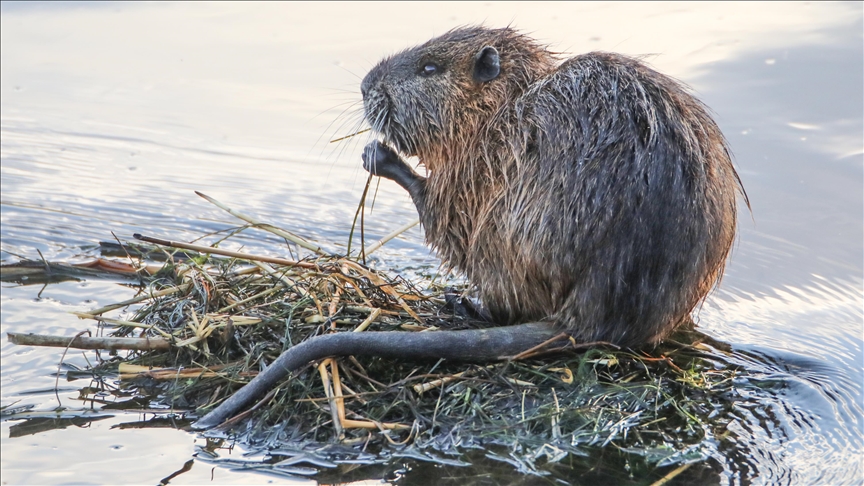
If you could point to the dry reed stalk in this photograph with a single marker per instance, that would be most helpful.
(140, 298)
(378, 244)
(218, 251)
(668, 477)
(346, 137)
(369, 320)
(122, 323)
(265, 226)
(421, 388)
(334, 301)
(259, 295)
(532, 351)
(99, 342)
(350, 423)
(128, 372)
(384, 286)
(328, 391)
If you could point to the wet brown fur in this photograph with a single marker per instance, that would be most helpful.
(534, 185)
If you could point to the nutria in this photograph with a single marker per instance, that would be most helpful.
(593, 196)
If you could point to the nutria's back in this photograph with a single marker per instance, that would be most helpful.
(596, 193)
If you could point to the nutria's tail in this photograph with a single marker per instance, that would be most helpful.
(470, 345)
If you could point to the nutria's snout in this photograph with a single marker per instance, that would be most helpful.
(374, 90)
(375, 78)
(370, 80)
(372, 98)
(376, 100)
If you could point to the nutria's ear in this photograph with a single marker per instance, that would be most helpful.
(486, 65)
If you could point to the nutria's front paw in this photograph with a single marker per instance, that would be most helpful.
(381, 160)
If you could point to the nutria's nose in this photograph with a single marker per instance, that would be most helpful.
(367, 83)
(364, 86)
(372, 79)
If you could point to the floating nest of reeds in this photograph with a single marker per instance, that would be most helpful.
(206, 324)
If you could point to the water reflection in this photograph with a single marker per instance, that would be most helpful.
(112, 114)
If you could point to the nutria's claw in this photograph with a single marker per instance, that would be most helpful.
(381, 160)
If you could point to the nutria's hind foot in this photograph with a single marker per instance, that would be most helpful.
(462, 306)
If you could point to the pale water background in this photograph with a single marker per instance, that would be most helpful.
(112, 114)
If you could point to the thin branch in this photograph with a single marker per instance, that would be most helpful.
(378, 244)
(81, 342)
(219, 251)
(265, 226)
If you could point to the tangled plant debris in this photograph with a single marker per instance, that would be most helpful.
(206, 324)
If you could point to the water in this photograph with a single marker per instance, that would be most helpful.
(113, 114)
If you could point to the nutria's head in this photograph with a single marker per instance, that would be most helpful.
(443, 91)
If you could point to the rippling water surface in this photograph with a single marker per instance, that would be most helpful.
(113, 114)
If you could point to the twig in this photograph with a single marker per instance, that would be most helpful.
(362, 210)
(665, 479)
(354, 221)
(378, 244)
(331, 395)
(420, 388)
(556, 417)
(140, 298)
(219, 251)
(128, 371)
(57, 378)
(248, 299)
(529, 352)
(337, 403)
(332, 309)
(121, 323)
(81, 342)
(366, 310)
(369, 320)
(383, 285)
(349, 136)
(241, 416)
(265, 226)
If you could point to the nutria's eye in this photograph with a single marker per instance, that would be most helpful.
(429, 69)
